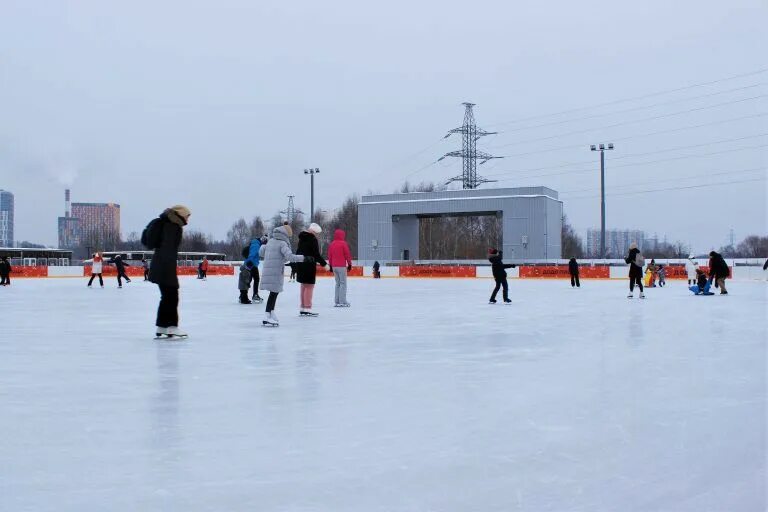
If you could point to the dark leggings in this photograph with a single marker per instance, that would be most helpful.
(501, 283)
(168, 311)
(575, 280)
(101, 281)
(121, 274)
(255, 277)
(638, 280)
(271, 300)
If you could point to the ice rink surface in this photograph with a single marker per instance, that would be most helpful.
(420, 397)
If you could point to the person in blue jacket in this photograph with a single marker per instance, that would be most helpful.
(253, 257)
(702, 284)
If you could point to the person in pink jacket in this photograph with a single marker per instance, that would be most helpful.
(340, 261)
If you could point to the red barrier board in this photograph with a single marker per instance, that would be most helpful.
(561, 272)
(355, 272)
(438, 271)
(19, 271)
(134, 271)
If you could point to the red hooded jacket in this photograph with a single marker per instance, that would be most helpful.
(338, 251)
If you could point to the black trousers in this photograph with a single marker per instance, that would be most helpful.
(271, 301)
(121, 275)
(146, 274)
(4, 279)
(575, 280)
(256, 280)
(501, 283)
(168, 310)
(636, 280)
(101, 281)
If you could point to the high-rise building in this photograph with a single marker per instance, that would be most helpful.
(617, 242)
(99, 224)
(6, 219)
(69, 226)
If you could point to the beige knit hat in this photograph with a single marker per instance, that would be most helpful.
(315, 228)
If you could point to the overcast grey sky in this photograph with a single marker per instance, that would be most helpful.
(220, 105)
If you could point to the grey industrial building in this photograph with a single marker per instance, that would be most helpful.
(388, 225)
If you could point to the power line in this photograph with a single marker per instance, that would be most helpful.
(635, 98)
(633, 109)
(672, 188)
(624, 123)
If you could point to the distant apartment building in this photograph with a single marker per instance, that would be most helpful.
(617, 242)
(6, 219)
(98, 223)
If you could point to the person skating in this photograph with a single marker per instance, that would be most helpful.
(652, 270)
(253, 257)
(244, 282)
(701, 287)
(204, 268)
(164, 236)
(117, 261)
(96, 269)
(718, 271)
(690, 269)
(498, 268)
(376, 270)
(340, 261)
(145, 267)
(573, 269)
(275, 254)
(292, 277)
(635, 260)
(306, 273)
(5, 271)
(662, 273)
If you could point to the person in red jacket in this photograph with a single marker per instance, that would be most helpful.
(204, 268)
(340, 261)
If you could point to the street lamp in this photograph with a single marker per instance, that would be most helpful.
(602, 148)
(312, 173)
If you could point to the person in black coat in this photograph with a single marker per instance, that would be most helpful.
(573, 269)
(718, 271)
(635, 260)
(499, 275)
(5, 271)
(306, 272)
(377, 271)
(117, 261)
(164, 236)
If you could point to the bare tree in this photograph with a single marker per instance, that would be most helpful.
(570, 241)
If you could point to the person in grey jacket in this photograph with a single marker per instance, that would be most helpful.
(275, 254)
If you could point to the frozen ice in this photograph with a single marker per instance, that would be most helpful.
(420, 397)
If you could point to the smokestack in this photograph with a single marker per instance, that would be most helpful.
(67, 203)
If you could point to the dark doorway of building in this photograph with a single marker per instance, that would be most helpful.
(459, 237)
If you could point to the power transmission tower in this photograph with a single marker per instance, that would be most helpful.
(469, 154)
(291, 212)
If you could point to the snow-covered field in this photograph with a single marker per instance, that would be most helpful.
(420, 397)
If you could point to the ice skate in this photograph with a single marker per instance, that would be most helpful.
(270, 320)
(631, 295)
(507, 301)
(244, 301)
(642, 295)
(175, 332)
(160, 332)
(492, 301)
(307, 312)
(256, 299)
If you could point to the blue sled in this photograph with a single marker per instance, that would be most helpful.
(697, 291)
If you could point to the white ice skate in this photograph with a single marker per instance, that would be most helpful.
(307, 312)
(173, 332)
(342, 305)
(642, 295)
(270, 320)
(631, 295)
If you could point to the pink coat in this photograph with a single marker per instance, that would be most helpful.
(338, 251)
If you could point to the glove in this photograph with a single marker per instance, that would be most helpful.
(349, 268)
(309, 259)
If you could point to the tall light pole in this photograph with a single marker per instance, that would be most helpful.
(602, 148)
(312, 173)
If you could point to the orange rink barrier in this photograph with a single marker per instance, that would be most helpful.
(438, 271)
(133, 271)
(561, 272)
(19, 271)
(355, 272)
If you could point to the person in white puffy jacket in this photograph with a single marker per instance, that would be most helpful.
(96, 266)
(690, 269)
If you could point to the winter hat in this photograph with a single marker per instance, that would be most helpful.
(288, 230)
(182, 212)
(633, 245)
(493, 251)
(314, 228)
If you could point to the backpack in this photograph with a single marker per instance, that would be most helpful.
(245, 252)
(152, 236)
(639, 260)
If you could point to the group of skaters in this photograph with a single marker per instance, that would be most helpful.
(275, 253)
(97, 269)
(698, 281)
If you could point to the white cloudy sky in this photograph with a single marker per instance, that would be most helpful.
(220, 105)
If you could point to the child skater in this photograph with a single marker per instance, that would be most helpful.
(499, 275)
(244, 281)
(702, 284)
(276, 253)
(662, 276)
(96, 269)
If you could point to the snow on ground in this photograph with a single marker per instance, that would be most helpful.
(419, 397)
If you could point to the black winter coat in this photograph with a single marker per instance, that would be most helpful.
(498, 268)
(119, 264)
(634, 270)
(5, 268)
(573, 267)
(162, 270)
(306, 273)
(717, 267)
